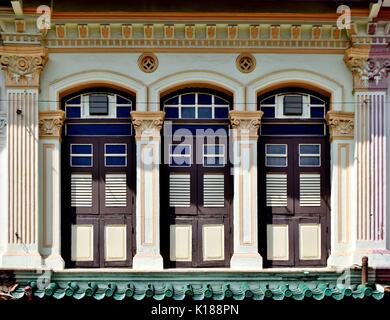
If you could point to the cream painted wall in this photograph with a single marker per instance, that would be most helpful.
(3, 173)
(61, 65)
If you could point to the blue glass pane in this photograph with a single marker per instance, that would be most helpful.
(309, 149)
(172, 101)
(276, 162)
(172, 112)
(218, 100)
(314, 100)
(116, 161)
(180, 161)
(204, 99)
(180, 149)
(81, 149)
(98, 130)
(209, 130)
(73, 112)
(204, 113)
(81, 162)
(116, 148)
(269, 100)
(213, 149)
(188, 98)
(221, 113)
(292, 129)
(123, 112)
(309, 161)
(214, 161)
(75, 100)
(269, 112)
(122, 100)
(276, 149)
(317, 112)
(188, 112)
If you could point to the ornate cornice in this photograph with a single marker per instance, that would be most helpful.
(50, 124)
(22, 65)
(341, 124)
(369, 69)
(147, 124)
(245, 123)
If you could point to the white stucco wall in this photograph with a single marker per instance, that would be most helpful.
(328, 66)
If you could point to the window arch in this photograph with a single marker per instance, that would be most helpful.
(197, 103)
(293, 111)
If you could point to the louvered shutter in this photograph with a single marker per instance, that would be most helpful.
(213, 190)
(310, 190)
(81, 190)
(116, 190)
(276, 189)
(179, 190)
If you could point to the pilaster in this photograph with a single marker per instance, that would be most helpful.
(342, 220)
(147, 127)
(370, 68)
(245, 134)
(22, 66)
(50, 128)
(3, 184)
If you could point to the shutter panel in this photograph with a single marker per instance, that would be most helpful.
(213, 190)
(179, 190)
(81, 190)
(276, 190)
(310, 190)
(116, 190)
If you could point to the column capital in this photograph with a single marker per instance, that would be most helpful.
(341, 124)
(369, 67)
(147, 124)
(22, 65)
(246, 123)
(50, 124)
(3, 122)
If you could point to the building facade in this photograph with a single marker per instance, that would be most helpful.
(226, 151)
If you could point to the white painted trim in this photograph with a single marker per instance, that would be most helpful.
(98, 76)
(335, 88)
(188, 77)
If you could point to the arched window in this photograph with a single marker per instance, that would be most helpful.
(197, 105)
(294, 178)
(196, 180)
(98, 179)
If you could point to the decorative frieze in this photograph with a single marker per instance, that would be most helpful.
(22, 66)
(368, 69)
(51, 123)
(246, 123)
(147, 124)
(341, 124)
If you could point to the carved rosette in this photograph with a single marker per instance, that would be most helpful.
(341, 124)
(50, 124)
(245, 123)
(147, 124)
(369, 70)
(22, 67)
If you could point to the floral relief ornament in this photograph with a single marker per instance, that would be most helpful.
(22, 68)
(50, 123)
(370, 69)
